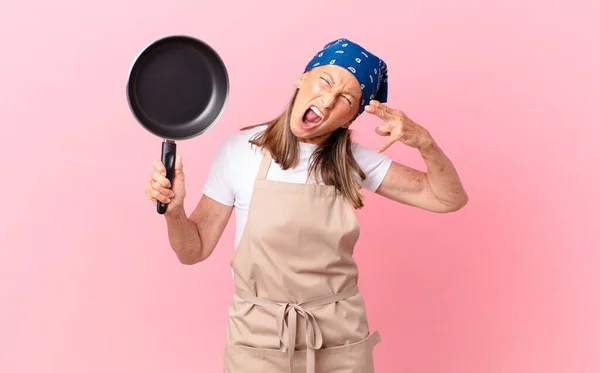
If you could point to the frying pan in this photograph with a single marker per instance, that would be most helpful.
(177, 89)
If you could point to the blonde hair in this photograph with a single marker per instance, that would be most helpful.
(333, 159)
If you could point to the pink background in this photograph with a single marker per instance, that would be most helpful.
(88, 282)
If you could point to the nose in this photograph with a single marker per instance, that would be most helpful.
(328, 100)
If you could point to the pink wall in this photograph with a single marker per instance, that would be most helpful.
(88, 282)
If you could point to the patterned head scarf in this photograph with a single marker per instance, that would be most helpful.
(367, 68)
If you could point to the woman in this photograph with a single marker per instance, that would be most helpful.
(294, 183)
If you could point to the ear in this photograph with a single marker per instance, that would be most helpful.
(300, 80)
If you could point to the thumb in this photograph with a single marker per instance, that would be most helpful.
(178, 165)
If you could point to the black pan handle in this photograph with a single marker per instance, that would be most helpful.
(169, 151)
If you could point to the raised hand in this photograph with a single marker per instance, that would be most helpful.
(397, 127)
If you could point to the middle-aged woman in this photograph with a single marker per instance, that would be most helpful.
(294, 184)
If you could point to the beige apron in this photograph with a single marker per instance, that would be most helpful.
(297, 307)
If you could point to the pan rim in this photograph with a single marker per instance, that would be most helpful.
(145, 50)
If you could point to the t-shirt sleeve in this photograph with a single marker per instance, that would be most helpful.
(218, 185)
(374, 165)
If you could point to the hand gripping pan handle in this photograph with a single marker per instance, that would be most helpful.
(168, 154)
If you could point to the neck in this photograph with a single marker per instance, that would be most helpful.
(317, 140)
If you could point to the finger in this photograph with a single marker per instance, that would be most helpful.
(378, 109)
(159, 167)
(162, 190)
(374, 110)
(383, 130)
(159, 196)
(386, 144)
(160, 179)
(382, 109)
(153, 186)
(149, 194)
(152, 200)
(387, 111)
(154, 195)
(148, 190)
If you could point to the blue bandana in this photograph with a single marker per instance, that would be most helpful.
(368, 69)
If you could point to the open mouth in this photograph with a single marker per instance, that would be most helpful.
(312, 117)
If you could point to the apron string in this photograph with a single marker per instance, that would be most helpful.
(287, 321)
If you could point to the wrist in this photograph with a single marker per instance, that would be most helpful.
(175, 213)
(428, 144)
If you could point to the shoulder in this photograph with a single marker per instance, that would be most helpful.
(375, 165)
(366, 156)
(241, 139)
(233, 165)
(237, 145)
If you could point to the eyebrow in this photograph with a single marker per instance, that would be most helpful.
(328, 74)
(345, 90)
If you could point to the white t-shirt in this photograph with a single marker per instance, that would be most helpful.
(234, 169)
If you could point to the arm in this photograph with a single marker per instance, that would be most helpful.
(437, 190)
(193, 239)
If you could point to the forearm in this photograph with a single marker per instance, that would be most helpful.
(442, 177)
(184, 237)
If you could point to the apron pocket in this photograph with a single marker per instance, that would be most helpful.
(351, 358)
(244, 359)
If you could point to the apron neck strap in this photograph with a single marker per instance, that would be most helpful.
(264, 165)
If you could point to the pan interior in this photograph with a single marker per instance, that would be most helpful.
(175, 85)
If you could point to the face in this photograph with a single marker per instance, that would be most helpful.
(328, 98)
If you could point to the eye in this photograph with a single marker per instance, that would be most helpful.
(348, 100)
(325, 80)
